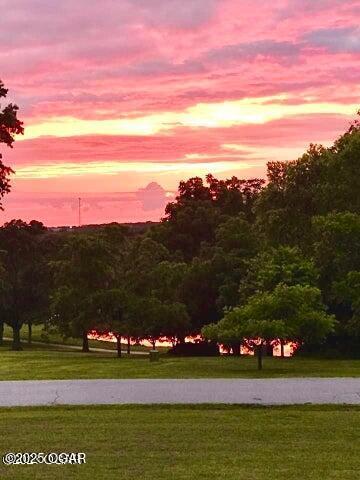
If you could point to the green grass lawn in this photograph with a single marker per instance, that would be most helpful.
(55, 337)
(187, 442)
(44, 362)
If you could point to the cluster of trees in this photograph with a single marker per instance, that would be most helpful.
(242, 262)
(303, 284)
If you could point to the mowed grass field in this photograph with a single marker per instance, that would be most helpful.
(45, 362)
(39, 335)
(187, 442)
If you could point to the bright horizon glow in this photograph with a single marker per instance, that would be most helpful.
(113, 168)
(211, 115)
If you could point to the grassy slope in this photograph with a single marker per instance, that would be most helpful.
(53, 337)
(187, 443)
(50, 363)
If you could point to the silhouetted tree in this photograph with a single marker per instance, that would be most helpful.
(10, 126)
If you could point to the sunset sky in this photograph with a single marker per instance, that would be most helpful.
(122, 99)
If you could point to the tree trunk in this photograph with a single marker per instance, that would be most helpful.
(118, 345)
(85, 345)
(181, 339)
(236, 349)
(128, 345)
(16, 345)
(259, 349)
(269, 349)
(29, 333)
(282, 348)
(153, 344)
(1, 332)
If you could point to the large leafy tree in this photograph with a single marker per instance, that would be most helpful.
(337, 253)
(23, 296)
(288, 202)
(234, 196)
(337, 256)
(113, 314)
(235, 245)
(192, 219)
(165, 280)
(348, 292)
(167, 286)
(187, 225)
(270, 267)
(10, 126)
(83, 272)
(143, 255)
(199, 292)
(159, 319)
(295, 312)
(144, 302)
(336, 247)
(155, 307)
(323, 180)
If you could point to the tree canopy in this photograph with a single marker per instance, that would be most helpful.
(294, 313)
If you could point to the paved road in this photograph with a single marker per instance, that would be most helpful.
(231, 391)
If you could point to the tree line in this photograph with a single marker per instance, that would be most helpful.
(239, 261)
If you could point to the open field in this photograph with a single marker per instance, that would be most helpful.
(44, 362)
(187, 443)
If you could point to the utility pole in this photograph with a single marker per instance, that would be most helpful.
(79, 212)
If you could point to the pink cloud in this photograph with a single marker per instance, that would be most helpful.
(123, 59)
(175, 146)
